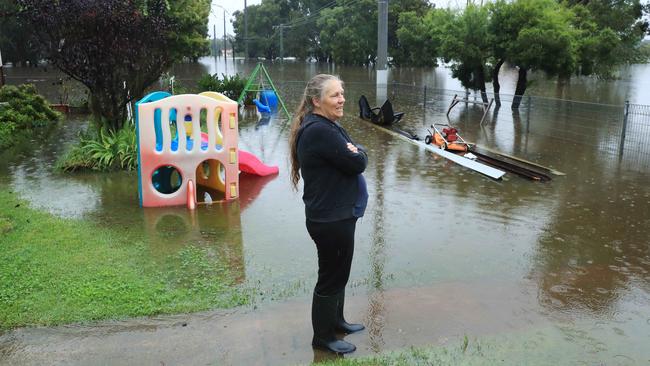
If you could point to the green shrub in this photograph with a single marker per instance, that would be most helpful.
(6, 133)
(209, 82)
(103, 151)
(169, 83)
(230, 86)
(22, 109)
(644, 53)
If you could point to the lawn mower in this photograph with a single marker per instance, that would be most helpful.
(446, 137)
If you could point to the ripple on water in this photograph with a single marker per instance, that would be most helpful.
(560, 289)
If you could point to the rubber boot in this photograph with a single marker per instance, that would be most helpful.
(323, 319)
(341, 324)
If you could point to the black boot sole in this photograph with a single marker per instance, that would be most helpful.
(325, 347)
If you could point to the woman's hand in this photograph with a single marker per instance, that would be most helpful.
(352, 148)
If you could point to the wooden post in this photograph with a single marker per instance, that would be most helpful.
(528, 105)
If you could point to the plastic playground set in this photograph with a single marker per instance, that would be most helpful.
(188, 147)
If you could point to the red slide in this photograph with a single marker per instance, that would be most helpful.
(249, 163)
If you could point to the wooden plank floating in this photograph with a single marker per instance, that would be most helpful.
(515, 158)
(518, 169)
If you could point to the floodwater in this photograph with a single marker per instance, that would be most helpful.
(542, 273)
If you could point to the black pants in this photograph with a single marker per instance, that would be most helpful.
(335, 245)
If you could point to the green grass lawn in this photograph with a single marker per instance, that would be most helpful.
(57, 271)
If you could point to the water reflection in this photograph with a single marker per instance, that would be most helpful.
(590, 256)
(376, 312)
(218, 225)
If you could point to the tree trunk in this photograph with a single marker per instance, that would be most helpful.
(560, 87)
(107, 112)
(480, 79)
(495, 81)
(521, 87)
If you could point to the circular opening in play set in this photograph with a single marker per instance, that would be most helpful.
(166, 179)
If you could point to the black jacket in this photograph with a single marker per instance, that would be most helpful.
(328, 168)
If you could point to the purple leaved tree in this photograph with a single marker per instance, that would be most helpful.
(105, 44)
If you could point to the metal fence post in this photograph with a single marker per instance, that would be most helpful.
(528, 114)
(625, 117)
(424, 100)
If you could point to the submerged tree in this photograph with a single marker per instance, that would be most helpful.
(467, 44)
(548, 44)
(532, 35)
(348, 33)
(116, 48)
(396, 8)
(610, 33)
(264, 21)
(419, 37)
(499, 28)
(189, 33)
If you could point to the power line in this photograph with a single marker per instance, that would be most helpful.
(307, 18)
(316, 14)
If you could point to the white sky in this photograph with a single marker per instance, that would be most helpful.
(231, 6)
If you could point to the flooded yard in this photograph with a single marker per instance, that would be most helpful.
(552, 272)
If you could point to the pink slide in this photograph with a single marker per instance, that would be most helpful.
(249, 163)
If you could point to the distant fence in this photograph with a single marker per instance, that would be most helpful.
(620, 131)
(635, 134)
(615, 129)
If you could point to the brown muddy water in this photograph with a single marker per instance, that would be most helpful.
(544, 273)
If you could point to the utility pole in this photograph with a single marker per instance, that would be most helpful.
(382, 34)
(281, 26)
(382, 51)
(214, 39)
(281, 43)
(2, 73)
(245, 30)
(224, 35)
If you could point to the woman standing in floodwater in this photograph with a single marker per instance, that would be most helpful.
(335, 196)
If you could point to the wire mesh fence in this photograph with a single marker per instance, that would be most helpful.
(620, 131)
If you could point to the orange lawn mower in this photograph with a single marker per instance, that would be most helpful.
(446, 137)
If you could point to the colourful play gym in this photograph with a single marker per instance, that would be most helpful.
(188, 147)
